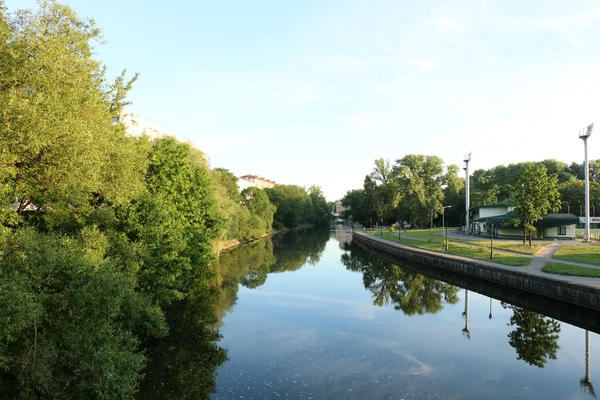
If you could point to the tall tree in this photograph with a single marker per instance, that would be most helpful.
(536, 193)
(321, 211)
(421, 179)
(58, 144)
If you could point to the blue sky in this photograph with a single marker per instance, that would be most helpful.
(312, 92)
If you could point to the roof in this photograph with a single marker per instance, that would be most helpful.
(503, 203)
(547, 221)
(256, 177)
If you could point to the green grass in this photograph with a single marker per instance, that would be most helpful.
(480, 253)
(435, 235)
(571, 270)
(583, 254)
(519, 247)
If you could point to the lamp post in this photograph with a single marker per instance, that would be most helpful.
(585, 134)
(444, 224)
(466, 159)
(492, 242)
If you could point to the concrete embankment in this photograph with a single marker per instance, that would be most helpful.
(582, 292)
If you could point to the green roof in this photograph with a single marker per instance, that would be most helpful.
(547, 221)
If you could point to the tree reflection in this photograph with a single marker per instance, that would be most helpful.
(535, 337)
(410, 292)
(184, 364)
(294, 249)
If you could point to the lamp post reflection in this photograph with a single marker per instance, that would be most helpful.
(585, 383)
(465, 330)
(490, 316)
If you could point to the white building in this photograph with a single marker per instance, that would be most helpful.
(247, 181)
(501, 216)
(138, 126)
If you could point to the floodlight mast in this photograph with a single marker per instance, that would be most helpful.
(466, 159)
(584, 134)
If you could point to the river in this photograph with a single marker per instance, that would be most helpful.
(305, 315)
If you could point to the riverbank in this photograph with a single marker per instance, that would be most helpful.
(581, 291)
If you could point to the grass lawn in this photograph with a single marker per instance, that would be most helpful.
(519, 247)
(572, 270)
(582, 254)
(480, 253)
(435, 235)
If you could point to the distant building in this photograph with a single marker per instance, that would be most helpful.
(138, 126)
(337, 207)
(247, 181)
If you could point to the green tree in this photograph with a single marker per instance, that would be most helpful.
(58, 144)
(67, 322)
(484, 188)
(536, 193)
(535, 337)
(421, 180)
(294, 206)
(321, 210)
(258, 204)
(174, 222)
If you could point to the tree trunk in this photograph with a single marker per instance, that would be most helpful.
(530, 234)
(524, 235)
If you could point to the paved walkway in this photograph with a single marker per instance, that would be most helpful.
(538, 260)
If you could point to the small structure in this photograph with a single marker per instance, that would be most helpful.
(502, 216)
(551, 226)
(480, 214)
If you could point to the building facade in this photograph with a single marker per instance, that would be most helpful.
(247, 181)
(138, 126)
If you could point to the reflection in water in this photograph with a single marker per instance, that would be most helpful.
(535, 337)
(410, 292)
(585, 382)
(466, 333)
(305, 335)
(184, 364)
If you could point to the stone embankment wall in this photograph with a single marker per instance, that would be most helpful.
(573, 293)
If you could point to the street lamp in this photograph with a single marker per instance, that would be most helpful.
(444, 224)
(466, 159)
(585, 134)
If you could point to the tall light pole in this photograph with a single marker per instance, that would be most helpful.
(444, 224)
(466, 159)
(585, 134)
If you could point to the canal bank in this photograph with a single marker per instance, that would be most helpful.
(580, 291)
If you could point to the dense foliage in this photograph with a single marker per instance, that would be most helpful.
(414, 189)
(101, 232)
(298, 207)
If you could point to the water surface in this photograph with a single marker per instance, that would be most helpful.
(317, 319)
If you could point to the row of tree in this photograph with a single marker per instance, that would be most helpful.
(99, 231)
(417, 187)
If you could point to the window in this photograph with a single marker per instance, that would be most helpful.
(562, 230)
